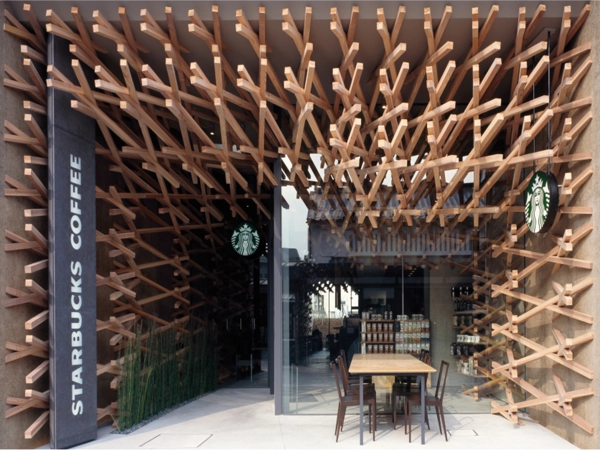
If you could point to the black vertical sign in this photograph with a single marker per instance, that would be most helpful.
(72, 263)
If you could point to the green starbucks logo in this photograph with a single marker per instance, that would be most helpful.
(245, 239)
(541, 202)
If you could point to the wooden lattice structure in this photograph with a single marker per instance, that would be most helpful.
(33, 143)
(157, 135)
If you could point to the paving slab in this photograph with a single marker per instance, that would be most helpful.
(243, 418)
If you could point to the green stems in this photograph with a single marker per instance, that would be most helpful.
(168, 368)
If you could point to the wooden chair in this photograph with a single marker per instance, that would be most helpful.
(351, 378)
(344, 363)
(403, 390)
(352, 399)
(430, 400)
(351, 383)
(422, 355)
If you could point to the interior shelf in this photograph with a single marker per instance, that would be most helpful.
(470, 311)
(371, 320)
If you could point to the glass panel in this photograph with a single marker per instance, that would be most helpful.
(355, 292)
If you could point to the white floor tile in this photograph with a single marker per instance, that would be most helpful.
(244, 419)
(167, 440)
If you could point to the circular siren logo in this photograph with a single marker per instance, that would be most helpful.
(245, 239)
(541, 202)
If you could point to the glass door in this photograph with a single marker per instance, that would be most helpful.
(367, 292)
(326, 290)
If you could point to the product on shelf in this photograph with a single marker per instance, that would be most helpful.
(473, 334)
(412, 336)
(459, 320)
(466, 367)
(403, 335)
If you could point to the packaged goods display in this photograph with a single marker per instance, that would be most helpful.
(466, 367)
(459, 294)
(461, 290)
(465, 348)
(467, 345)
(461, 349)
(402, 335)
(463, 305)
(459, 320)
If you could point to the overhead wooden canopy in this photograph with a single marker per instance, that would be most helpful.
(203, 147)
(169, 124)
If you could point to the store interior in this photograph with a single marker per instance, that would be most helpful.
(373, 296)
(427, 294)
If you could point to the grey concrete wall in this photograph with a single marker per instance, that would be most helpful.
(540, 327)
(12, 375)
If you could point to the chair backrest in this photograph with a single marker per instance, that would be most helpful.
(423, 354)
(343, 373)
(343, 359)
(427, 359)
(441, 381)
(333, 365)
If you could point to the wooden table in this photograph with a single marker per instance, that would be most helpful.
(383, 364)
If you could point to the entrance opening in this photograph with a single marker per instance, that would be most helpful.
(373, 294)
(414, 158)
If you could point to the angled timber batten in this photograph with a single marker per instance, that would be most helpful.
(29, 291)
(190, 145)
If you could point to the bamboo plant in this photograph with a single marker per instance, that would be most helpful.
(164, 370)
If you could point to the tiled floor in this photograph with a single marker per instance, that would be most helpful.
(243, 418)
(311, 390)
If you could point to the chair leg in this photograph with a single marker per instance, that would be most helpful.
(375, 415)
(426, 418)
(337, 419)
(394, 408)
(339, 425)
(443, 422)
(409, 422)
(437, 413)
(374, 418)
(405, 415)
(342, 418)
(370, 418)
(374, 422)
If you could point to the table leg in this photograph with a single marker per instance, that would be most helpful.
(360, 413)
(423, 409)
